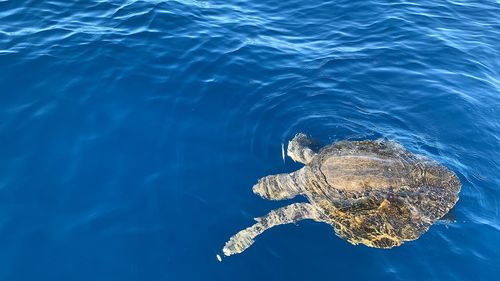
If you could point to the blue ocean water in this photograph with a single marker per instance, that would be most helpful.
(131, 132)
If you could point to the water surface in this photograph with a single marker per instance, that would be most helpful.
(131, 132)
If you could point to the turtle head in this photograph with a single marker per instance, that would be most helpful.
(277, 187)
(300, 148)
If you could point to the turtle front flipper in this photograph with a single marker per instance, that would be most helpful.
(284, 215)
(300, 148)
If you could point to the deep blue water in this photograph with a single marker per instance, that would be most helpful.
(131, 132)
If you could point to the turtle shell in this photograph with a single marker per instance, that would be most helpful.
(378, 193)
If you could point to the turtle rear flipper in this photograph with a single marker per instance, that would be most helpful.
(284, 215)
(448, 218)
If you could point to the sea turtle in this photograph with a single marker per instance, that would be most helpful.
(375, 193)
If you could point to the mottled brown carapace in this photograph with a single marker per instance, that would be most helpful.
(375, 193)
